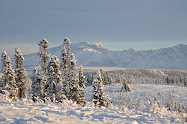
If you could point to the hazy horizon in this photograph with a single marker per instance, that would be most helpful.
(31, 48)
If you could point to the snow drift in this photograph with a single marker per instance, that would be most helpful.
(125, 108)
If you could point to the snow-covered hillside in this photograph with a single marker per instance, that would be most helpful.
(132, 107)
(95, 54)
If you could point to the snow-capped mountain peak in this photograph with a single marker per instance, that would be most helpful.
(94, 45)
(96, 54)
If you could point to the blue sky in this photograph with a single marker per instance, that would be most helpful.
(118, 24)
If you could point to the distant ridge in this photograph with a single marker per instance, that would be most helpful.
(96, 54)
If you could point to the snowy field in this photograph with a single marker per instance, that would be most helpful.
(139, 106)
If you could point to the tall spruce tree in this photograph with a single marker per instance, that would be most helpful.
(65, 58)
(64, 63)
(49, 86)
(4, 60)
(44, 55)
(11, 83)
(58, 91)
(4, 65)
(72, 80)
(54, 87)
(21, 75)
(65, 67)
(8, 79)
(81, 83)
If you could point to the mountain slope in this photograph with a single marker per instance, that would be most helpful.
(95, 54)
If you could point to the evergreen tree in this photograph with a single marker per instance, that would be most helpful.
(99, 97)
(118, 77)
(103, 77)
(4, 65)
(44, 55)
(37, 85)
(34, 75)
(90, 77)
(49, 86)
(11, 83)
(34, 83)
(65, 57)
(53, 88)
(65, 67)
(4, 60)
(8, 79)
(59, 94)
(64, 64)
(72, 80)
(81, 82)
(67, 46)
(108, 79)
(125, 87)
(21, 75)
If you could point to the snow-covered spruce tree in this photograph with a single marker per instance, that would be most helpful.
(4, 60)
(11, 83)
(117, 77)
(89, 78)
(37, 85)
(65, 58)
(49, 85)
(108, 79)
(125, 87)
(8, 78)
(4, 64)
(65, 67)
(21, 75)
(73, 93)
(44, 55)
(70, 82)
(59, 94)
(54, 88)
(99, 97)
(103, 76)
(81, 82)
(34, 83)
(64, 64)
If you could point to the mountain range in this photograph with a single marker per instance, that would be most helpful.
(96, 54)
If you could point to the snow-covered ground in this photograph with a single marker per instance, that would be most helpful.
(132, 107)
